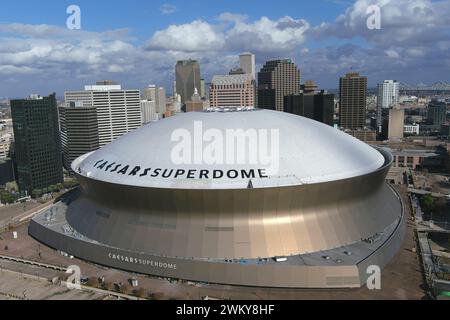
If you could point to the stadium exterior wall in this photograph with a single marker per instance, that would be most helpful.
(281, 276)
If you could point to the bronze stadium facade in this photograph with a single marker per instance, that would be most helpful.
(319, 221)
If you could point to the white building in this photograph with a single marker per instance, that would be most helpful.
(248, 63)
(149, 113)
(412, 129)
(5, 145)
(408, 99)
(95, 117)
(157, 94)
(232, 91)
(388, 97)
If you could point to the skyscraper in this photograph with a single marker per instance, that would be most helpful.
(97, 116)
(202, 88)
(352, 96)
(232, 91)
(37, 143)
(277, 79)
(437, 113)
(393, 124)
(187, 78)
(79, 131)
(308, 103)
(148, 110)
(158, 95)
(247, 63)
(388, 97)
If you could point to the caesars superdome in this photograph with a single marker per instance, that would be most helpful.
(253, 198)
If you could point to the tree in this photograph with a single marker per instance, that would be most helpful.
(7, 198)
(428, 204)
(12, 187)
(59, 187)
(36, 193)
(51, 188)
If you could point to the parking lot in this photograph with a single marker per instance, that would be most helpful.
(7, 213)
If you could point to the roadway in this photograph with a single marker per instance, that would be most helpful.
(424, 192)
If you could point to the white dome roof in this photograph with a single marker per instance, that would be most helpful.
(308, 152)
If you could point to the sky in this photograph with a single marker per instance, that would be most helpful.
(137, 42)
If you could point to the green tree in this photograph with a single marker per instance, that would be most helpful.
(36, 193)
(428, 204)
(7, 198)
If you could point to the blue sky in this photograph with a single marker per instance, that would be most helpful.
(144, 17)
(326, 39)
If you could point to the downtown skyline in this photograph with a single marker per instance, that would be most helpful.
(136, 43)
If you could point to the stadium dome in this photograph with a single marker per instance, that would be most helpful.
(308, 152)
(222, 195)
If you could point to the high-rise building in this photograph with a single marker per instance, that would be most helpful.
(97, 116)
(187, 78)
(393, 126)
(202, 88)
(174, 89)
(352, 97)
(247, 63)
(308, 103)
(37, 143)
(232, 91)
(79, 131)
(277, 79)
(149, 112)
(365, 135)
(388, 97)
(158, 95)
(437, 113)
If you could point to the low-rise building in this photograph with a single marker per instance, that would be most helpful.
(413, 159)
(412, 129)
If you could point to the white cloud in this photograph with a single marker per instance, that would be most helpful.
(232, 17)
(266, 35)
(195, 36)
(263, 35)
(413, 44)
(392, 54)
(407, 22)
(11, 70)
(168, 9)
(44, 31)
